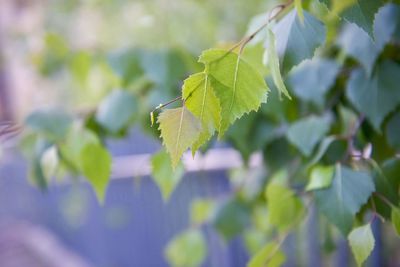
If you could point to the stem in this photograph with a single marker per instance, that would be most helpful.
(384, 199)
(242, 43)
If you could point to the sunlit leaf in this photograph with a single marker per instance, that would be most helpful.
(179, 130)
(201, 101)
(362, 242)
(239, 87)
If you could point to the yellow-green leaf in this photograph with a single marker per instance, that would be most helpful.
(321, 177)
(239, 86)
(200, 99)
(188, 249)
(269, 256)
(395, 218)
(96, 166)
(362, 243)
(284, 208)
(179, 130)
(165, 177)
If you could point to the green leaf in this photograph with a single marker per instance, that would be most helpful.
(296, 41)
(96, 166)
(395, 218)
(393, 131)
(362, 242)
(166, 178)
(269, 256)
(348, 119)
(200, 99)
(54, 124)
(188, 249)
(179, 130)
(307, 132)
(378, 96)
(321, 177)
(322, 148)
(80, 66)
(116, 110)
(343, 199)
(70, 149)
(362, 13)
(239, 87)
(201, 210)
(272, 59)
(284, 208)
(387, 183)
(311, 80)
(231, 218)
(387, 25)
(355, 42)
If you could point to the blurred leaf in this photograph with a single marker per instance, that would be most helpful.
(240, 88)
(355, 42)
(269, 256)
(36, 175)
(116, 110)
(395, 218)
(387, 182)
(322, 148)
(49, 162)
(378, 96)
(272, 59)
(321, 177)
(200, 99)
(251, 133)
(166, 178)
(307, 132)
(179, 130)
(362, 242)
(231, 218)
(201, 210)
(76, 139)
(284, 208)
(80, 66)
(54, 124)
(55, 53)
(312, 79)
(393, 131)
(188, 249)
(362, 13)
(348, 118)
(126, 64)
(96, 166)
(349, 190)
(387, 25)
(296, 41)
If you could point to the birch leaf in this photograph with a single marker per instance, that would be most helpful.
(179, 130)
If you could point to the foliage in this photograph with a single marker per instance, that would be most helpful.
(332, 141)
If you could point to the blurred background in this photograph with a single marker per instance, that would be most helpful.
(69, 55)
(67, 59)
